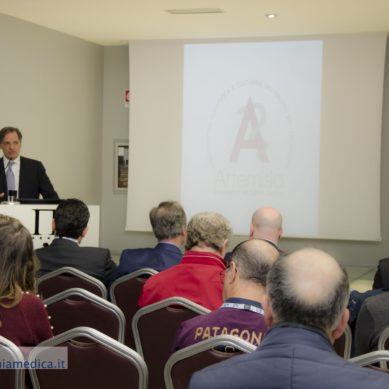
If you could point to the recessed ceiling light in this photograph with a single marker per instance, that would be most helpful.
(271, 16)
(193, 11)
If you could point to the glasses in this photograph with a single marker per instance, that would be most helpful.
(223, 273)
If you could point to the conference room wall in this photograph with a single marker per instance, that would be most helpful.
(51, 88)
(351, 253)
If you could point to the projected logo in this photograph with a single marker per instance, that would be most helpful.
(250, 139)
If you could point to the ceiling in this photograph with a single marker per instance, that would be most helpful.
(112, 22)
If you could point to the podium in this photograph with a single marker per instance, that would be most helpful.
(37, 218)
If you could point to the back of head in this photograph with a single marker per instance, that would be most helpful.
(266, 223)
(71, 218)
(308, 287)
(6, 130)
(167, 220)
(18, 263)
(254, 258)
(208, 230)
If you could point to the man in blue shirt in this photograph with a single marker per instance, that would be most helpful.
(168, 221)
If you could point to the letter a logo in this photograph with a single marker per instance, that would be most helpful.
(249, 134)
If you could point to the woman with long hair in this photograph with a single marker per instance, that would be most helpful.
(23, 317)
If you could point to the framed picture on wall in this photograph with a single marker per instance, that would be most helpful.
(120, 165)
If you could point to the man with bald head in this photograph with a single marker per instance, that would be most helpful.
(305, 308)
(244, 283)
(266, 224)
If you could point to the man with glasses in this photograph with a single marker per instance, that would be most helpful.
(244, 282)
(306, 310)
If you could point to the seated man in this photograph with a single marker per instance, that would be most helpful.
(168, 221)
(197, 276)
(70, 225)
(381, 277)
(244, 289)
(306, 310)
(266, 224)
(373, 318)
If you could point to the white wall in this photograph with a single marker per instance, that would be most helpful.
(51, 88)
(115, 126)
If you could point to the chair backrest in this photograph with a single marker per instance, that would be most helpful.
(342, 345)
(11, 378)
(380, 356)
(383, 344)
(77, 307)
(68, 277)
(154, 328)
(100, 363)
(183, 363)
(125, 293)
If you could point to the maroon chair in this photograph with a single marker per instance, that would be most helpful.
(11, 378)
(77, 307)
(125, 293)
(68, 277)
(154, 328)
(183, 363)
(100, 363)
(342, 345)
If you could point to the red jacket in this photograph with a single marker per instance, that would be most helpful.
(196, 277)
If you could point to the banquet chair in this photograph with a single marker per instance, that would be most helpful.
(77, 307)
(100, 363)
(11, 378)
(154, 328)
(125, 292)
(183, 363)
(68, 277)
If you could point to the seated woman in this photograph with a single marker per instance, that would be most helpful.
(23, 317)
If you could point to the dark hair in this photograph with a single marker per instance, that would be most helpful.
(6, 130)
(71, 218)
(18, 262)
(167, 220)
(289, 306)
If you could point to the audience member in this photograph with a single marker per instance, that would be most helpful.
(70, 225)
(243, 292)
(372, 320)
(381, 277)
(266, 224)
(197, 276)
(306, 309)
(27, 176)
(168, 221)
(23, 317)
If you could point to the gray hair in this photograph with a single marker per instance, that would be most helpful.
(308, 287)
(167, 220)
(209, 229)
(254, 258)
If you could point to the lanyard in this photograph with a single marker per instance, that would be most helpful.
(245, 307)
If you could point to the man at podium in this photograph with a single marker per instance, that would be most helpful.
(24, 175)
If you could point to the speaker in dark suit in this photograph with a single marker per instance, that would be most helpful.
(28, 175)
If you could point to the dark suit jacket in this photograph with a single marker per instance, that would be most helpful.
(94, 261)
(33, 180)
(161, 257)
(381, 278)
